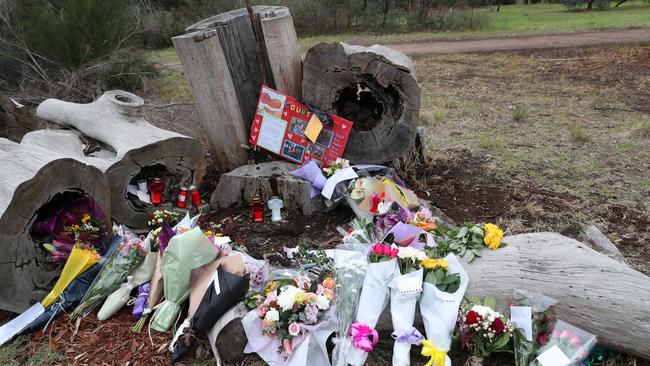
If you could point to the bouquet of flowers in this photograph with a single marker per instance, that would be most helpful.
(122, 262)
(359, 231)
(375, 293)
(568, 345)
(384, 224)
(404, 294)
(422, 219)
(470, 239)
(290, 314)
(79, 261)
(350, 270)
(531, 313)
(340, 163)
(445, 282)
(482, 329)
(157, 218)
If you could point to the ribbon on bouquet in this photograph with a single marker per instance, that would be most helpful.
(410, 336)
(361, 334)
(437, 355)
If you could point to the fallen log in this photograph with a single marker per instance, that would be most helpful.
(220, 60)
(375, 88)
(35, 176)
(595, 292)
(132, 147)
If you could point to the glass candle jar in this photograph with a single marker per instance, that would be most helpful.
(156, 189)
(257, 209)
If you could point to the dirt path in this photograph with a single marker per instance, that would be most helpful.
(622, 36)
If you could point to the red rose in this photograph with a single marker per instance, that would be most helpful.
(497, 326)
(542, 339)
(473, 317)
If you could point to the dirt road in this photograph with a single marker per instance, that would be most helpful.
(621, 36)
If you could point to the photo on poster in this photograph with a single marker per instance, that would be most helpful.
(315, 150)
(271, 133)
(298, 126)
(293, 151)
(325, 138)
(271, 103)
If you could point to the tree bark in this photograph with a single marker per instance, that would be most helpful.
(131, 144)
(34, 171)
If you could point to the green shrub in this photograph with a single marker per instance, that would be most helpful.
(456, 19)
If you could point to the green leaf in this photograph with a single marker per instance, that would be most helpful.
(490, 302)
(462, 232)
(477, 252)
(470, 257)
(477, 230)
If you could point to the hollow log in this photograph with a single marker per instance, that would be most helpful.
(595, 292)
(375, 88)
(32, 175)
(131, 145)
(220, 60)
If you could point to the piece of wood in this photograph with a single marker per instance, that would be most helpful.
(375, 88)
(600, 242)
(595, 292)
(33, 172)
(236, 188)
(234, 52)
(131, 145)
(16, 120)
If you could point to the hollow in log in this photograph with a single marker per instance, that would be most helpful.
(375, 88)
(33, 177)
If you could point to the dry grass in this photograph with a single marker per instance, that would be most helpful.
(579, 134)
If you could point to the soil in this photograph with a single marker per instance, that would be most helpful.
(623, 36)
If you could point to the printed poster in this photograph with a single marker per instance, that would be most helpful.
(280, 124)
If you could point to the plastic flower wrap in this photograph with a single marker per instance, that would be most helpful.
(78, 262)
(533, 318)
(292, 320)
(445, 282)
(568, 345)
(358, 231)
(482, 329)
(122, 262)
(349, 270)
(185, 252)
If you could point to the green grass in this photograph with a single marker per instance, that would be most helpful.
(10, 354)
(517, 20)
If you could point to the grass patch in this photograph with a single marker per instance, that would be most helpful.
(10, 354)
(643, 130)
(171, 86)
(579, 134)
(519, 114)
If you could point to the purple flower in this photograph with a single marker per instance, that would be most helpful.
(311, 314)
(385, 223)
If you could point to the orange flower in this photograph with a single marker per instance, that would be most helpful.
(329, 283)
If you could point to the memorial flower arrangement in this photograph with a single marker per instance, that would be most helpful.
(83, 228)
(286, 306)
(158, 217)
(573, 342)
(482, 329)
(436, 272)
(469, 239)
(541, 325)
(340, 163)
(382, 252)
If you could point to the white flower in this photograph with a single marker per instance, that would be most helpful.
(287, 297)
(322, 302)
(272, 315)
(484, 311)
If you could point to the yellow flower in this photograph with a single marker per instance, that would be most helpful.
(270, 287)
(492, 236)
(431, 263)
(85, 218)
(300, 298)
(208, 233)
(437, 355)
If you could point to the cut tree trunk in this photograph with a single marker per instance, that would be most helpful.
(595, 292)
(375, 88)
(220, 60)
(34, 171)
(16, 120)
(132, 146)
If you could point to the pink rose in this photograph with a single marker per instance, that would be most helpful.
(294, 329)
(261, 310)
(287, 346)
(574, 341)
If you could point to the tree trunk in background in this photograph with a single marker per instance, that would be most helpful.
(385, 11)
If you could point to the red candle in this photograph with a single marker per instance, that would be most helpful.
(196, 198)
(157, 189)
(182, 197)
(257, 209)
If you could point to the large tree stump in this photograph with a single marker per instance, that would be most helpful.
(132, 146)
(220, 60)
(236, 188)
(33, 174)
(375, 88)
(595, 292)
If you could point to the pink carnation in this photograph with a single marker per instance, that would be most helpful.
(261, 310)
(294, 329)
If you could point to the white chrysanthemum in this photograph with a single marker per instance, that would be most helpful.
(322, 303)
(287, 297)
(272, 315)
(484, 311)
